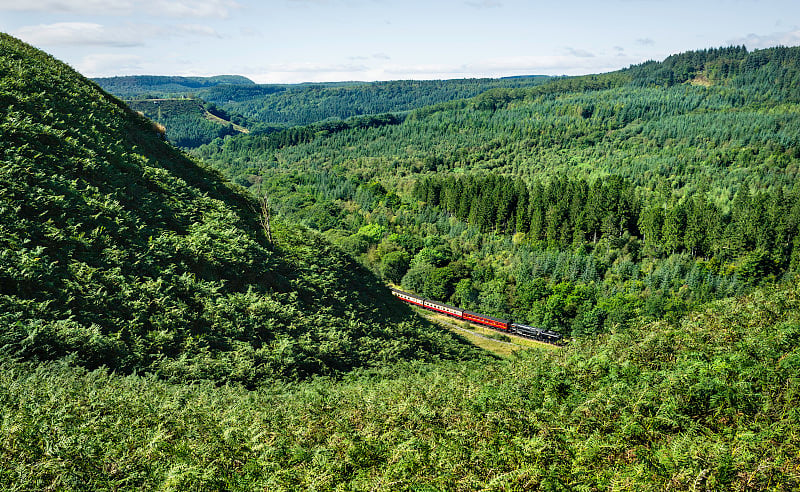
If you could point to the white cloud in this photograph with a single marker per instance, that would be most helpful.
(100, 64)
(194, 8)
(76, 33)
(374, 56)
(550, 64)
(755, 41)
(188, 30)
(580, 53)
(312, 70)
(315, 2)
(111, 7)
(119, 36)
(164, 8)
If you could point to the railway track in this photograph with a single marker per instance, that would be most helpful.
(502, 325)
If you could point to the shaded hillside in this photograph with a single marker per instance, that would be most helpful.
(117, 250)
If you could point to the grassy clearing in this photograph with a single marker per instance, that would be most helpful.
(221, 121)
(486, 338)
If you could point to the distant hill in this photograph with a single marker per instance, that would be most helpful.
(117, 250)
(157, 85)
(717, 113)
(302, 104)
(287, 105)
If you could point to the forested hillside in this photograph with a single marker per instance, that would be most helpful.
(578, 204)
(189, 122)
(119, 251)
(740, 129)
(133, 86)
(303, 104)
(268, 108)
(287, 105)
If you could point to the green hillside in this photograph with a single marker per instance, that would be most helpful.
(578, 204)
(189, 122)
(709, 402)
(119, 251)
(645, 123)
(266, 108)
(288, 105)
(303, 104)
(132, 86)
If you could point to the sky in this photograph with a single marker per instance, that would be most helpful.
(288, 41)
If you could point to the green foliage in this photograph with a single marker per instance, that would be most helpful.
(417, 277)
(187, 122)
(372, 233)
(118, 251)
(652, 187)
(708, 402)
(394, 266)
(304, 104)
(154, 85)
(409, 242)
(431, 256)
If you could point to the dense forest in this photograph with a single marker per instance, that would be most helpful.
(566, 212)
(163, 328)
(577, 204)
(304, 104)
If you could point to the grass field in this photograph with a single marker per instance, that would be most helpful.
(502, 344)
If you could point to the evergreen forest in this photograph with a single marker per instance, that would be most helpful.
(578, 205)
(211, 311)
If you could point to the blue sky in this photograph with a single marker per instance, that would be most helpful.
(329, 40)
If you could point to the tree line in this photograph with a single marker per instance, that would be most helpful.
(567, 212)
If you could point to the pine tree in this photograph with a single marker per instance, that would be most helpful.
(672, 230)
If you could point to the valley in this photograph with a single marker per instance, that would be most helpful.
(213, 312)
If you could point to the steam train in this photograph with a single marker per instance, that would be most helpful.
(490, 321)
